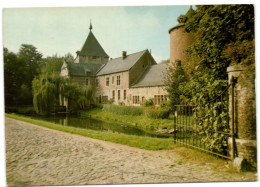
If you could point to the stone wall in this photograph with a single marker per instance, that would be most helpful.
(146, 92)
(104, 90)
(244, 116)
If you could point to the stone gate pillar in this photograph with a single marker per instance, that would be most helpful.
(245, 157)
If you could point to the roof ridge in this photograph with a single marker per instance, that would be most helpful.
(127, 55)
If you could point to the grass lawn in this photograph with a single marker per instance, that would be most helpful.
(141, 121)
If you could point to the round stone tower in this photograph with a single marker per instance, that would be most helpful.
(179, 41)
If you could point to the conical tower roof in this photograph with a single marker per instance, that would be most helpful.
(92, 47)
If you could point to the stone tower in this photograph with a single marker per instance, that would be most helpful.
(179, 41)
(91, 51)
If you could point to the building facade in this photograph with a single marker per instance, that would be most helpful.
(129, 79)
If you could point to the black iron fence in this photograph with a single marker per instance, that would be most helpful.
(205, 127)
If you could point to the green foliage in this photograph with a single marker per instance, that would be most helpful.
(124, 110)
(19, 71)
(173, 79)
(79, 98)
(211, 119)
(121, 103)
(46, 93)
(157, 113)
(223, 36)
(68, 57)
(51, 65)
(148, 102)
(165, 104)
(140, 121)
(32, 58)
(217, 29)
(111, 101)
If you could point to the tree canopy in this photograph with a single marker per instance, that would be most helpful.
(224, 36)
(19, 71)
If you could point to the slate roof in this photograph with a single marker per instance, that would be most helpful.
(92, 47)
(119, 64)
(153, 76)
(83, 69)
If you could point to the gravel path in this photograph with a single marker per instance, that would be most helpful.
(41, 156)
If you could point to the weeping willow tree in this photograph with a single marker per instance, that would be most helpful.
(79, 98)
(46, 93)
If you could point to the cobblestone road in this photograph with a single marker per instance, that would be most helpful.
(41, 156)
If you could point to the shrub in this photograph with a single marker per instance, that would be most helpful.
(121, 103)
(159, 113)
(165, 104)
(97, 105)
(110, 101)
(124, 110)
(148, 102)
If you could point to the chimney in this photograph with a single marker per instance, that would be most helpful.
(123, 54)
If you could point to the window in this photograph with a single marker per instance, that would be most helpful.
(94, 57)
(155, 100)
(113, 94)
(87, 82)
(143, 99)
(113, 80)
(159, 98)
(118, 94)
(135, 99)
(104, 99)
(124, 94)
(97, 82)
(117, 80)
(107, 81)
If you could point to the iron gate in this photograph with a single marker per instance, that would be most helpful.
(206, 127)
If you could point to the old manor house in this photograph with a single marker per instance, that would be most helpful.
(129, 79)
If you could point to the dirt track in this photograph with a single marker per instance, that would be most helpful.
(41, 156)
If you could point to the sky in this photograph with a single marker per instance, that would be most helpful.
(118, 28)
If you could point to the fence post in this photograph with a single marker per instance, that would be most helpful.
(242, 112)
(233, 81)
(174, 121)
